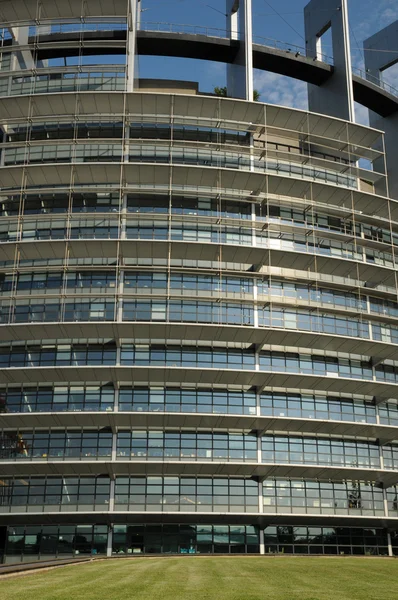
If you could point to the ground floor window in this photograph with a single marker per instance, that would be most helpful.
(30, 543)
(325, 540)
(185, 539)
(46, 542)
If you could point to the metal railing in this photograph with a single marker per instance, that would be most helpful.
(375, 80)
(263, 41)
(164, 27)
(184, 28)
(79, 26)
(225, 34)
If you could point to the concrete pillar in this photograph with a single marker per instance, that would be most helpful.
(109, 541)
(390, 552)
(20, 37)
(385, 502)
(381, 455)
(262, 544)
(116, 402)
(119, 296)
(254, 239)
(114, 449)
(112, 496)
(335, 97)
(257, 360)
(111, 509)
(259, 460)
(255, 293)
(118, 353)
(133, 23)
(123, 221)
(240, 27)
(258, 403)
(381, 52)
(377, 413)
(19, 59)
(261, 504)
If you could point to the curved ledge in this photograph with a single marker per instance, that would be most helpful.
(385, 477)
(324, 281)
(185, 250)
(251, 185)
(228, 518)
(202, 47)
(170, 375)
(12, 11)
(265, 58)
(228, 111)
(255, 227)
(166, 420)
(43, 295)
(241, 334)
(186, 45)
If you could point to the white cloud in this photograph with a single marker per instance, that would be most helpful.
(277, 89)
(390, 76)
(367, 17)
(388, 11)
(361, 114)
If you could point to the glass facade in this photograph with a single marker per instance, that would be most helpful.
(39, 398)
(323, 497)
(186, 445)
(186, 494)
(46, 542)
(56, 444)
(184, 311)
(320, 451)
(326, 540)
(185, 539)
(54, 494)
(198, 312)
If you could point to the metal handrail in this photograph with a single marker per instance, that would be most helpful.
(264, 41)
(375, 80)
(212, 32)
(225, 34)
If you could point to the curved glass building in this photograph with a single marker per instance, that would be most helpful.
(198, 295)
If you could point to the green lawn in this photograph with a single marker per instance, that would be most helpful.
(218, 578)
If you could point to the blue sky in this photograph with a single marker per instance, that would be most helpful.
(366, 17)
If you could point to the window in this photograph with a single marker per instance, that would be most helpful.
(184, 445)
(320, 451)
(188, 494)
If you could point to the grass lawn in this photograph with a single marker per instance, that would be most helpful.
(218, 578)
